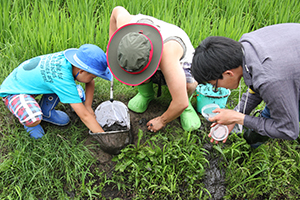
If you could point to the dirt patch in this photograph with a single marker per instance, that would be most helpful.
(214, 179)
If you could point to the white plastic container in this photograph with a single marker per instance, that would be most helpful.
(219, 132)
(206, 110)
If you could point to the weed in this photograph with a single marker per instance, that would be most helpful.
(163, 166)
(171, 164)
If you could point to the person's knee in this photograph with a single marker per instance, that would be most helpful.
(191, 87)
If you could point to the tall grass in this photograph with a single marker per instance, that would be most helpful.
(61, 167)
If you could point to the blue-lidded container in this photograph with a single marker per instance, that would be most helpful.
(206, 95)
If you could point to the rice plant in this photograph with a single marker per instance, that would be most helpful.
(170, 164)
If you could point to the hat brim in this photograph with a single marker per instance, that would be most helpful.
(69, 53)
(134, 79)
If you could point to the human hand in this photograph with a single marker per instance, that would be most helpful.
(156, 124)
(227, 117)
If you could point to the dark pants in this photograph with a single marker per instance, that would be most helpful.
(266, 113)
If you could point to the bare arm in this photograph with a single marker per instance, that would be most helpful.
(119, 17)
(176, 81)
(89, 93)
(86, 117)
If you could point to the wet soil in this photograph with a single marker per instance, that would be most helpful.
(214, 179)
(114, 127)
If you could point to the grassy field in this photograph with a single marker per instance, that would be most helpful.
(168, 165)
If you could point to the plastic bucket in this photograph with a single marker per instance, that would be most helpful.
(206, 95)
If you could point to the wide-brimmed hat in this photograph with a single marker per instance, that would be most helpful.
(134, 53)
(90, 58)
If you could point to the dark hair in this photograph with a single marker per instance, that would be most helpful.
(215, 55)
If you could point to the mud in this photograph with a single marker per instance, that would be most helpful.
(115, 138)
(207, 90)
(214, 179)
(114, 127)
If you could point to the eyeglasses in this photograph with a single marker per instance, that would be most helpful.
(215, 88)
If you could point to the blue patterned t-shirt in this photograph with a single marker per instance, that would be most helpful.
(45, 74)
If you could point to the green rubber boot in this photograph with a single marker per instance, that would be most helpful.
(140, 102)
(189, 119)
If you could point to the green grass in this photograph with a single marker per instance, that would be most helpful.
(51, 167)
(164, 166)
(272, 171)
(168, 165)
